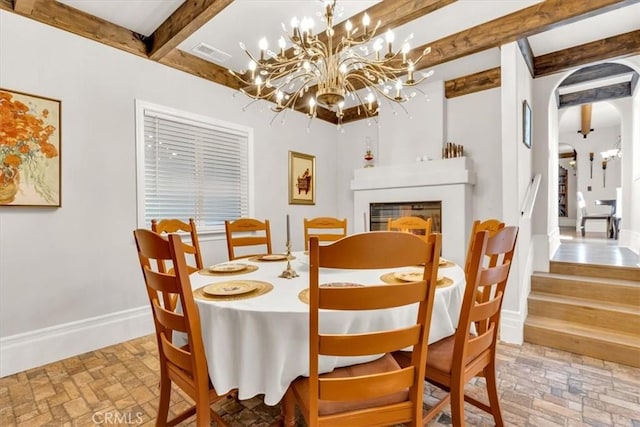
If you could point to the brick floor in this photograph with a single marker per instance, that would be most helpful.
(117, 385)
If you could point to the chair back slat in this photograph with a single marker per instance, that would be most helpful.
(411, 224)
(247, 232)
(177, 356)
(169, 319)
(372, 297)
(366, 387)
(491, 225)
(318, 227)
(347, 253)
(479, 343)
(174, 225)
(371, 343)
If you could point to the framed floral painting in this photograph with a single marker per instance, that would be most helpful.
(302, 179)
(29, 150)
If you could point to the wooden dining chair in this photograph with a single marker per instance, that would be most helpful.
(492, 226)
(185, 366)
(336, 226)
(173, 225)
(247, 232)
(411, 224)
(455, 360)
(377, 392)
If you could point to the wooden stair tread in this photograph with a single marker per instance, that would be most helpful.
(587, 279)
(595, 270)
(631, 309)
(587, 331)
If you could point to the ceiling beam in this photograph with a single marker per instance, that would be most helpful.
(6, 5)
(596, 72)
(527, 53)
(199, 67)
(615, 91)
(182, 23)
(509, 28)
(472, 83)
(77, 22)
(618, 46)
(23, 6)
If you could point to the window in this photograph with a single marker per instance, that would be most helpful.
(191, 167)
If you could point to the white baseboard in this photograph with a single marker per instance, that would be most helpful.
(36, 348)
(512, 327)
(629, 239)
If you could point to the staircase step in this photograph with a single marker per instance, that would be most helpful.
(589, 312)
(595, 270)
(601, 289)
(587, 340)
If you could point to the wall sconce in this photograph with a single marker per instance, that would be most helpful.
(591, 160)
(604, 173)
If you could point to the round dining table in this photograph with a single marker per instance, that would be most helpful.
(257, 339)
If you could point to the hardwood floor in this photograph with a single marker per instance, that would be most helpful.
(594, 248)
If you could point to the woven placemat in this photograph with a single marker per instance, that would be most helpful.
(261, 289)
(258, 258)
(446, 264)
(391, 279)
(249, 269)
(304, 294)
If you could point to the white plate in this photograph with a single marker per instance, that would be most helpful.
(227, 268)
(409, 276)
(234, 287)
(340, 285)
(273, 257)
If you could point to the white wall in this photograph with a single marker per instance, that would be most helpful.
(60, 268)
(516, 178)
(420, 132)
(473, 121)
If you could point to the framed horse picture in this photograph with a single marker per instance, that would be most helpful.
(302, 179)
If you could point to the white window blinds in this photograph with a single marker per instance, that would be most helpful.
(191, 168)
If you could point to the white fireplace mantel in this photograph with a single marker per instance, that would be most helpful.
(448, 180)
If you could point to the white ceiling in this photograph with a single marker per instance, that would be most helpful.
(249, 20)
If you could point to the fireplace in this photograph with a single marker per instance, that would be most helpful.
(380, 213)
(448, 181)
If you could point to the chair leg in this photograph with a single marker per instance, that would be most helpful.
(582, 222)
(288, 409)
(165, 397)
(457, 404)
(492, 391)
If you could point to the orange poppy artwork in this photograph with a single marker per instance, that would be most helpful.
(29, 150)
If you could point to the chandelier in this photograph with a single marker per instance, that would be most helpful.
(327, 73)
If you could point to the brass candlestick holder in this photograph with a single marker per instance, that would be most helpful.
(289, 272)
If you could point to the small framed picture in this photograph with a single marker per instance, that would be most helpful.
(302, 179)
(526, 123)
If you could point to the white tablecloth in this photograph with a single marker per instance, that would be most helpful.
(259, 345)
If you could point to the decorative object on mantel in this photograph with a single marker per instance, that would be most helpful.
(451, 150)
(29, 150)
(368, 158)
(317, 73)
(591, 160)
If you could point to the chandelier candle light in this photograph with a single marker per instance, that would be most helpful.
(317, 73)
